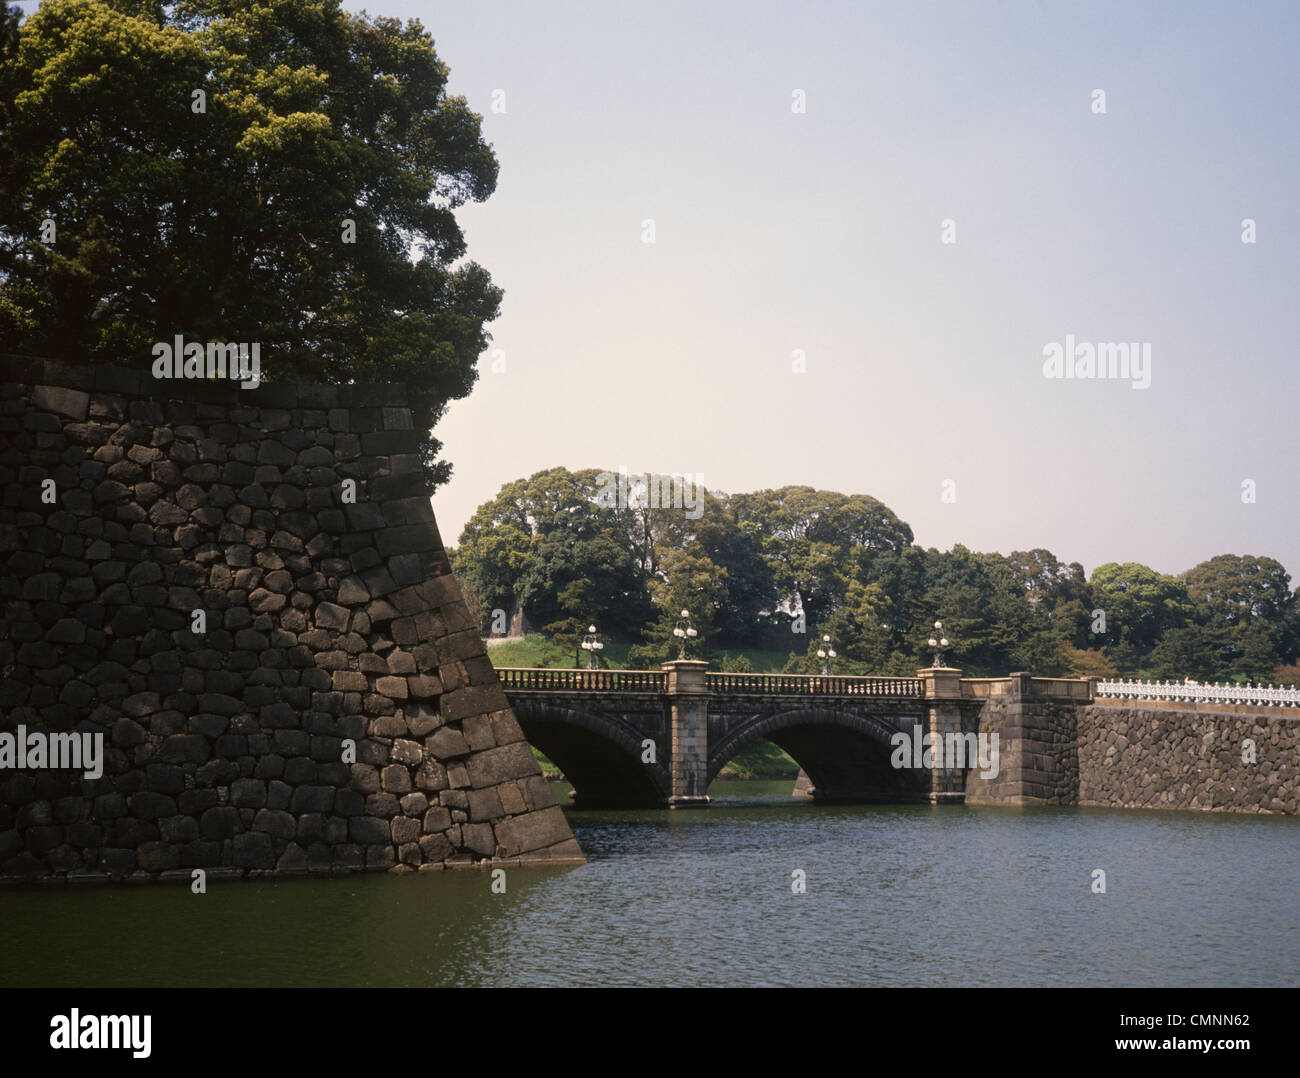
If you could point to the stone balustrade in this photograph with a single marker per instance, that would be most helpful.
(538, 679)
(528, 679)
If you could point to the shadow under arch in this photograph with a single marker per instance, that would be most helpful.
(599, 754)
(846, 755)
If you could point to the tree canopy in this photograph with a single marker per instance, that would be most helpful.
(273, 171)
(779, 569)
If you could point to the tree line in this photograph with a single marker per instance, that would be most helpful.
(780, 569)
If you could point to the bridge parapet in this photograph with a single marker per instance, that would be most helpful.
(1059, 688)
(1079, 690)
(811, 685)
(529, 679)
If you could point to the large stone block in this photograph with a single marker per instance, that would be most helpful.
(485, 804)
(478, 838)
(494, 766)
(158, 857)
(69, 402)
(254, 850)
(532, 832)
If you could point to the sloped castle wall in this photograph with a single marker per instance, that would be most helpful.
(328, 626)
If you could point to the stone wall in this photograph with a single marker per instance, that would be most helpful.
(326, 623)
(1037, 761)
(1135, 757)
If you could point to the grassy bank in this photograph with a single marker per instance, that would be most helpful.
(535, 650)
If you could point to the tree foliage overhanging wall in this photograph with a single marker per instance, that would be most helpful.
(233, 171)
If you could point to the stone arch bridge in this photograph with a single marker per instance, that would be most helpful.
(597, 726)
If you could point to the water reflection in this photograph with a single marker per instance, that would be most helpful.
(910, 894)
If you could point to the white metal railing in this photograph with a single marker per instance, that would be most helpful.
(1203, 693)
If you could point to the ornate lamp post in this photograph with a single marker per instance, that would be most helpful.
(591, 645)
(683, 631)
(938, 642)
(826, 653)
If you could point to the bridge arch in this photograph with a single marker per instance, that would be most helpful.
(846, 754)
(599, 753)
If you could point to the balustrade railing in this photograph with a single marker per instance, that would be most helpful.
(811, 685)
(544, 680)
(523, 679)
(1201, 693)
(656, 681)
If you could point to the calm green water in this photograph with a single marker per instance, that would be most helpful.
(906, 895)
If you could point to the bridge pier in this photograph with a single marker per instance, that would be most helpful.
(942, 692)
(686, 715)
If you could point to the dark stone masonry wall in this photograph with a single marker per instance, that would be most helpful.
(325, 621)
(1133, 757)
(1130, 756)
(1038, 762)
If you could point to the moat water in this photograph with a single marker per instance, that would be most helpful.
(895, 895)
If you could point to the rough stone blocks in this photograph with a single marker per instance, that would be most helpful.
(263, 661)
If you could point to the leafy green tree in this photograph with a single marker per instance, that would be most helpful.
(1087, 662)
(230, 222)
(541, 535)
(473, 604)
(737, 550)
(655, 528)
(1291, 638)
(649, 656)
(578, 601)
(807, 663)
(688, 581)
(1250, 599)
(738, 664)
(493, 561)
(1287, 674)
(1200, 652)
(902, 575)
(1073, 619)
(552, 541)
(1058, 589)
(1041, 651)
(1239, 589)
(858, 626)
(1255, 652)
(813, 539)
(1140, 604)
(985, 609)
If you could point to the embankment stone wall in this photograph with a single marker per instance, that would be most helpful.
(1037, 757)
(1135, 756)
(325, 622)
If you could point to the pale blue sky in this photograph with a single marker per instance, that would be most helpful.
(821, 232)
